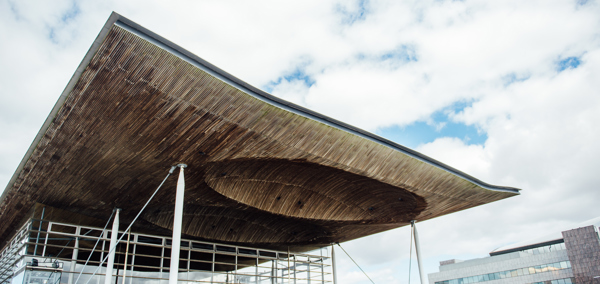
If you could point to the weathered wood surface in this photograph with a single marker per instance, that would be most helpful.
(257, 173)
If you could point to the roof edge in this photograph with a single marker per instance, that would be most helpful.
(540, 244)
(61, 100)
(304, 111)
(115, 17)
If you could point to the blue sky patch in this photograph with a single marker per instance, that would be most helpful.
(70, 14)
(421, 132)
(403, 53)
(350, 17)
(568, 63)
(513, 78)
(297, 75)
(582, 2)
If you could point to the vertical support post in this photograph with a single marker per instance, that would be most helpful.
(308, 270)
(212, 269)
(135, 241)
(418, 250)
(177, 220)
(48, 230)
(322, 266)
(39, 230)
(295, 269)
(75, 254)
(273, 273)
(114, 233)
(333, 264)
(256, 270)
(126, 255)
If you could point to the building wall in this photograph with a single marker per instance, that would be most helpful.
(509, 261)
(583, 248)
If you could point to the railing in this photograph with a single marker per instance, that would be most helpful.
(148, 258)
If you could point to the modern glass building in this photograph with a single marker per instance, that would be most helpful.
(572, 256)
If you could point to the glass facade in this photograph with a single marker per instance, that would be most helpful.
(143, 258)
(509, 273)
(545, 249)
(557, 281)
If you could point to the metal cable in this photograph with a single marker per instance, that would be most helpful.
(65, 246)
(131, 224)
(93, 249)
(355, 263)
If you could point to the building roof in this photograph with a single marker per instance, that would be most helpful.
(262, 171)
(552, 238)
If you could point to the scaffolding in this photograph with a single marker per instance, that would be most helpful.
(144, 258)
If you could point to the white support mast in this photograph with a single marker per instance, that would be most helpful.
(112, 248)
(177, 220)
(333, 264)
(418, 250)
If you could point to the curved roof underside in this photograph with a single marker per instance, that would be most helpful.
(262, 171)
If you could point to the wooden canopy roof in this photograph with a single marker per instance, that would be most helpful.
(262, 171)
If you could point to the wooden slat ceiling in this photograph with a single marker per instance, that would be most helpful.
(258, 174)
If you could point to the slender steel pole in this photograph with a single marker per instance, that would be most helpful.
(113, 244)
(333, 264)
(126, 255)
(418, 250)
(39, 230)
(177, 220)
(75, 255)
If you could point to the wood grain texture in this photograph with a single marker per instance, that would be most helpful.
(258, 174)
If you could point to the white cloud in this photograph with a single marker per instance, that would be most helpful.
(542, 129)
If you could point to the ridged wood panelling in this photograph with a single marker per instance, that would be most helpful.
(257, 173)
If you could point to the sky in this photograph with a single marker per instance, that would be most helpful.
(507, 91)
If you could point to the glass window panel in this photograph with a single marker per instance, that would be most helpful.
(526, 271)
(568, 281)
(531, 270)
(561, 281)
(513, 273)
(568, 264)
(563, 264)
(554, 282)
(497, 275)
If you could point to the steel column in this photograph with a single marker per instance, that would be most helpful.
(418, 250)
(177, 220)
(333, 264)
(112, 248)
(75, 255)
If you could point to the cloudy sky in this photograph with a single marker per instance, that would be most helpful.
(507, 91)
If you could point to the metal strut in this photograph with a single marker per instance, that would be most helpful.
(132, 222)
(418, 250)
(177, 220)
